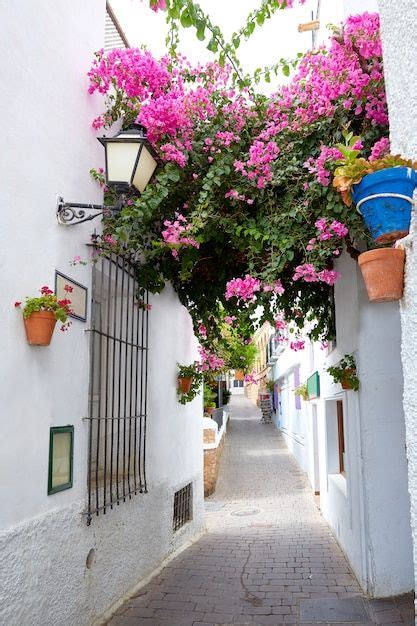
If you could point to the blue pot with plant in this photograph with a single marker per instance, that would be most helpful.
(382, 190)
(384, 199)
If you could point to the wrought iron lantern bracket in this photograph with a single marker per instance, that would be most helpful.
(72, 213)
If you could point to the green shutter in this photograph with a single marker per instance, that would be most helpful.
(313, 386)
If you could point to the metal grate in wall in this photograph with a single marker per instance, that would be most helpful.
(182, 506)
(118, 386)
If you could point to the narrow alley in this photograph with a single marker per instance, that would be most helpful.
(268, 556)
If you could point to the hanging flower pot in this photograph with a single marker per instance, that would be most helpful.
(39, 328)
(383, 273)
(346, 379)
(41, 313)
(384, 199)
(185, 383)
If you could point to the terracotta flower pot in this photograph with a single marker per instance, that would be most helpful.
(185, 384)
(345, 380)
(383, 273)
(40, 327)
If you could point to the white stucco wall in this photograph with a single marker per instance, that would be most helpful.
(399, 21)
(44, 541)
(368, 507)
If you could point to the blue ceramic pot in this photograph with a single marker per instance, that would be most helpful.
(387, 216)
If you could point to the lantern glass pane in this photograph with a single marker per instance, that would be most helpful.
(61, 459)
(121, 158)
(145, 168)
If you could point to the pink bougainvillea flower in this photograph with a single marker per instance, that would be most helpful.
(209, 360)
(158, 5)
(244, 289)
(297, 345)
(380, 149)
(110, 240)
(328, 276)
(250, 379)
(229, 319)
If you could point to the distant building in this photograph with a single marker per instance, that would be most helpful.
(261, 339)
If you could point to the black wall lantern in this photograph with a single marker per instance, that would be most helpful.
(130, 162)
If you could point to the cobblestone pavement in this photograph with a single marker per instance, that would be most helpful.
(268, 557)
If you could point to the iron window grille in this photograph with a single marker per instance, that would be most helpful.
(118, 385)
(182, 507)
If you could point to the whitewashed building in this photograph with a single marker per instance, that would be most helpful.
(352, 444)
(399, 22)
(69, 555)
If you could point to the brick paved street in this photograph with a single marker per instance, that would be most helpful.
(268, 555)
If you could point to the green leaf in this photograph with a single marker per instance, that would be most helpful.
(201, 29)
(186, 19)
(213, 45)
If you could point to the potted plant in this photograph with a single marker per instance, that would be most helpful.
(208, 400)
(189, 382)
(185, 377)
(41, 313)
(383, 272)
(344, 372)
(382, 189)
(270, 386)
(226, 396)
(301, 391)
(209, 408)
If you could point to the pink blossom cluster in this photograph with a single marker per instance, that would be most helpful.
(170, 100)
(282, 327)
(250, 379)
(202, 331)
(158, 5)
(328, 232)
(258, 166)
(136, 72)
(209, 361)
(297, 344)
(380, 149)
(229, 319)
(309, 274)
(276, 287)
(318, 166)
(235, 195)
(175, 234)
(244, 289)
(350, 74)
(347, 74)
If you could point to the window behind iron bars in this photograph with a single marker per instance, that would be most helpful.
(118, 386)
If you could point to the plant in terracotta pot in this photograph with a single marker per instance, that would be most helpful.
(209, 399)
(383, 272)
(189, 382)
(41, 313)
(382, 188)
(301, 391)
(185, 377)
(344, 372)
(270, 386)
